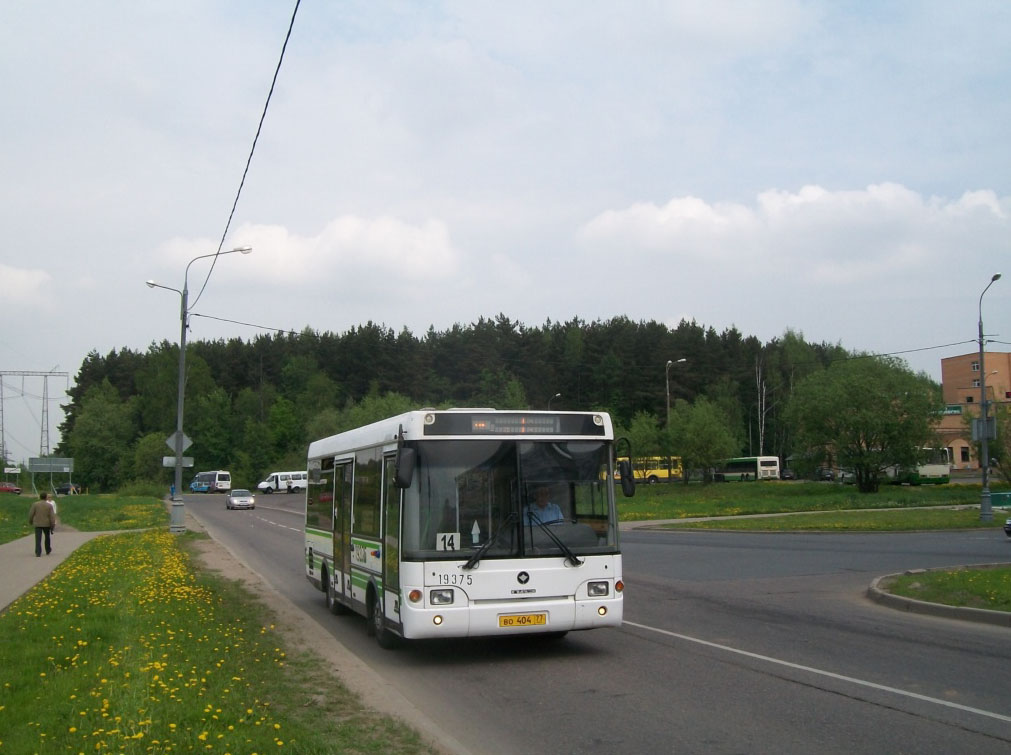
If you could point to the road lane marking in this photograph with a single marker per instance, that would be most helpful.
(275, 524)
(828, 674)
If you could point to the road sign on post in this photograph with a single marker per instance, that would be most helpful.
(50, 464)
(170, 441)
(977, 428)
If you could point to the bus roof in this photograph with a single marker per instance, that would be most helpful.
(446, 424)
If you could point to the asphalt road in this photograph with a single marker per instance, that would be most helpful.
(732, 643)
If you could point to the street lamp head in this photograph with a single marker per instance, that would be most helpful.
(243, 249)
(996, 277)
(670, 362)
(151, 284)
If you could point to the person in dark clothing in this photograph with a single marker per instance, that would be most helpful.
(42, 517)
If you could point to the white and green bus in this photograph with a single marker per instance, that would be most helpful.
(427, 523)
(745, 468)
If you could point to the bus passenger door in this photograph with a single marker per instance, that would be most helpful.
(391, 539)
(342, 526)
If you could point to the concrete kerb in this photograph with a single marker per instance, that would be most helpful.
(879, 594)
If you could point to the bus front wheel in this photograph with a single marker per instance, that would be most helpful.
(652, 480)
(377, 625)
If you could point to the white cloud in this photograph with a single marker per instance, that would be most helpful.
(386, 248)
(819, 234)
(23, 285)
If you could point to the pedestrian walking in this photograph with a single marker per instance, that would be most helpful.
(42, 516)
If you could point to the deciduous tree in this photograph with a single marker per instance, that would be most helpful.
(866, 414)
(701, 436)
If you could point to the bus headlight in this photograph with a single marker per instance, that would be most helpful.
(597, 589)
(440, 597)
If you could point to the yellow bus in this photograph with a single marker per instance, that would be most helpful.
(654, 469)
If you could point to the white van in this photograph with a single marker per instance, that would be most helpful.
(289, 482)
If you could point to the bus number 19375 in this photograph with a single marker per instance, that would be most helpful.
(456, 579)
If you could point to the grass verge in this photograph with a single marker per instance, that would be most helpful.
(679, 501)
(852, 521)
(87, 513)
(126, 648)
(970, 588)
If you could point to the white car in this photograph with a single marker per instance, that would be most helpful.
(240, 498)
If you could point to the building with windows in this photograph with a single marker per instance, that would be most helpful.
(960, 385)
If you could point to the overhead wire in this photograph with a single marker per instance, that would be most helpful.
(898, 353)
(249, 159)
(248, 324)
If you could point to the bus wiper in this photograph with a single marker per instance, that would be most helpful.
(472, 561)
(557, 541)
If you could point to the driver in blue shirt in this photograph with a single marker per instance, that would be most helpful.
(543, 509)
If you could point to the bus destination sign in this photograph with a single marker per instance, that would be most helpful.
(512, 423)
(515, 424)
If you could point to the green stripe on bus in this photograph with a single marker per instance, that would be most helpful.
(370, 543)
(361, 579)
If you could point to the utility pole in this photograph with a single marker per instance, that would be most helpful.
(44, 449)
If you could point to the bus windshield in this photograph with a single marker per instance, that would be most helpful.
(509, 499)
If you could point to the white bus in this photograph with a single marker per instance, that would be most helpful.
(289, 482)
(211, 482)
(748, 468)
(934, 468)
(423, 523)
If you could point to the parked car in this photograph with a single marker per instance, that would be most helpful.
(787, 474)
(826, 474)
(68, 488)
(9, 487)
(240, 498)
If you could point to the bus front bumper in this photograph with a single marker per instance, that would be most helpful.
(488, 618)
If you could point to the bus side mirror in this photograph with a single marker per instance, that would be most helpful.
(627, 483)
(406, 459)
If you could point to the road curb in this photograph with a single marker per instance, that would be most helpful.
(879, 594)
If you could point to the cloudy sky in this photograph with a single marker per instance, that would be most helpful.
(841, 169)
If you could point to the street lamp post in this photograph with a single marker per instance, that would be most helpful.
(985, 508)
(557, 395)
(177, 522)
(670, 363)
